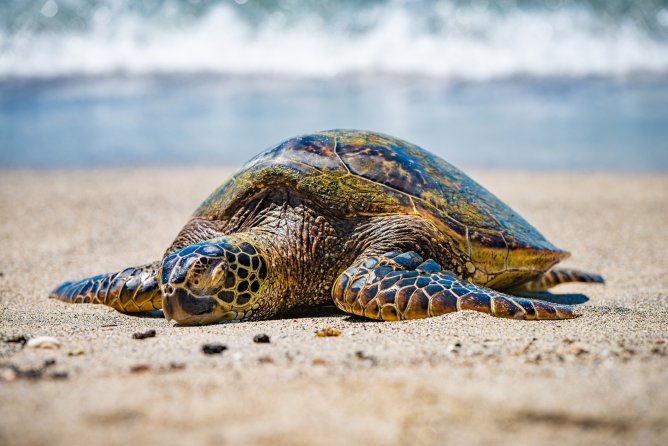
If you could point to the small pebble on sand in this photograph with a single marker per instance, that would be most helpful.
(577, 349)
(140, 368)
(327, 332)
(76, 352)
(59, 375)
(364, 357)
(177, 365)
(144, 335)
(261, 339)
(8, 375)
(213, 349)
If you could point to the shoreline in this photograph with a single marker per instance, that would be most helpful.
(515, 124)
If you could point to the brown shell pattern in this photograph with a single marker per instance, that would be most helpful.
(358, 173)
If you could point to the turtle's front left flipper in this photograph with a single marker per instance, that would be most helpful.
(397, 286)
(132, 290)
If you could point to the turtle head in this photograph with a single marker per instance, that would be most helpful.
(212, 281)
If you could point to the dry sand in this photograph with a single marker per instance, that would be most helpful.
(464, 378)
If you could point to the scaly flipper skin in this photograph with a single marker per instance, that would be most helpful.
(397, 286)
(556, 276)
(132, 290)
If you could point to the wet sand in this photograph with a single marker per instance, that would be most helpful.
(464, 378)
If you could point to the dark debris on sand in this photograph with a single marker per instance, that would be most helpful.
(144, 335)
(364, 357)
(140, 368)
(16, 340)
(213, 349)
(13, 372)
(261, 339)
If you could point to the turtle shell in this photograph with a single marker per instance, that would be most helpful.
(357, 173)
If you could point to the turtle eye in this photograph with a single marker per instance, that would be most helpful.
(219, 272)
(205, 274)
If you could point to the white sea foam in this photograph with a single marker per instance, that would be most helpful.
(473, 44)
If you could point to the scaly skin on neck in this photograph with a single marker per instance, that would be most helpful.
(303, 253)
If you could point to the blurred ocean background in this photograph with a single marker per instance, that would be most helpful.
(540, 84)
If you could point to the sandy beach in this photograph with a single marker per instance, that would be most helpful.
(463, 378)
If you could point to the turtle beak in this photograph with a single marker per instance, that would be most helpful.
(183, 303)
(185, 309)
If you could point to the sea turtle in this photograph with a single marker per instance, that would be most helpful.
(347, 215)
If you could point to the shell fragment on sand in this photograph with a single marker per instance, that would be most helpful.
(328, 332)
(46, 342)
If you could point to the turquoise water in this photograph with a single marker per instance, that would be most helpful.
(584, 124)
(553, 84)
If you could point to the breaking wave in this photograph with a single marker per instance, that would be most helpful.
(451, 40)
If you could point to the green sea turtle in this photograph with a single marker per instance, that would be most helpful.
(346, 215)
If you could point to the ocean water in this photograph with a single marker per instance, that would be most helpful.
(553, 84)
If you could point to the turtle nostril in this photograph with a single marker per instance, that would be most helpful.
(169, 289)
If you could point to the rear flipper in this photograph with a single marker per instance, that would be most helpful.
(555, 276)
(397, 286)
(132, 290)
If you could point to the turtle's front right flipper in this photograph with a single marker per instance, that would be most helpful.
(132, 290)
(396, 286)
